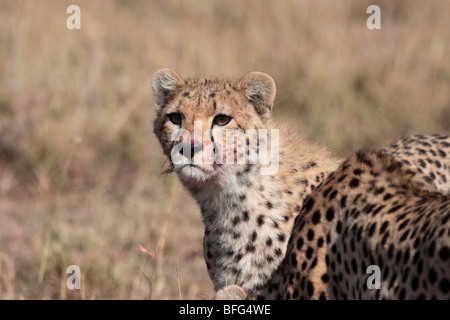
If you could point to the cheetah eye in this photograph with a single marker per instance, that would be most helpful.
(175, 118)
(222, 120)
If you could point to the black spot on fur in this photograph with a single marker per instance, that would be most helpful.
(442, 153)
(260, 220)
(313, 264)
(384, 227)
(333, 194)
(300, 243)
(309, 252)
(325, 194)
(316, 217)
(372, 229)
(330, 214)
(320, 242)
(310, 235)
(387, 196)
(361, 157)
(354, 183)
(393, 209)
(294, 260)
(444, 253)
(250, 247)
(308, 205)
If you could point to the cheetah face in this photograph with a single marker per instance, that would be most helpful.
(205, 125)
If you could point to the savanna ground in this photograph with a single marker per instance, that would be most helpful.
(80, 168)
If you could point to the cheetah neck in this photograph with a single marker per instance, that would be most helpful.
(248, 217)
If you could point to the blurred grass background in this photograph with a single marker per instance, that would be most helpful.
(79, 165)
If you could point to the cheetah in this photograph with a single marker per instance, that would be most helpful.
(389, 209)
(425, 178)
(248, 214)
(248, 207)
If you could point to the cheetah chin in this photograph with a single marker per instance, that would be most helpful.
(195, 173)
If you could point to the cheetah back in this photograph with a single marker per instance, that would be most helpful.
(374, 210)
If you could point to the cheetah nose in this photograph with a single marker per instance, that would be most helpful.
(194, 149)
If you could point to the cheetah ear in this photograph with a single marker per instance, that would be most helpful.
(165, 82)
(260, 90)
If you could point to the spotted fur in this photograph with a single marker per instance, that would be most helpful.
(428, 155)
(388, 208)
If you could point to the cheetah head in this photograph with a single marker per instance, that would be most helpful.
(200, 122)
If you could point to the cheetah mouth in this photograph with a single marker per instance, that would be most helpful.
(215, 166)
(196, 172)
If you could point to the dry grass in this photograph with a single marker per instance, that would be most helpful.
(79, 166)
